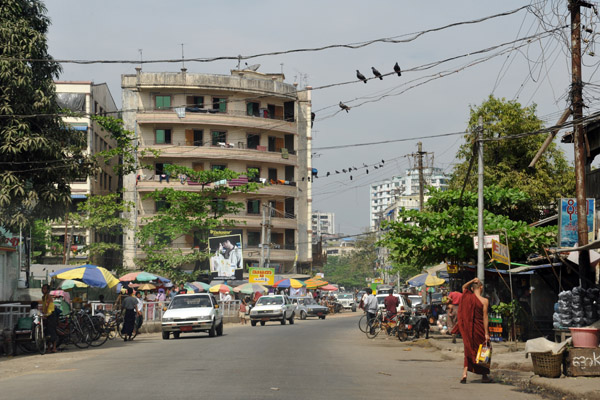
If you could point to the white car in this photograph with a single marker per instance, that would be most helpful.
(198, 312)
(347, 301)
(404, 304)
(272, 308)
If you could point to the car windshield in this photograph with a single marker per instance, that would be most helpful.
(344, 296)
(308, 301)
(269, 301)
(190, 302)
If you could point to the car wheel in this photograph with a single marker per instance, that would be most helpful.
(291, 320)
(212, 332)
(166, 335)
(220, 329)
(322, 317)
(302, 314)
(283, 320)
(253, 323)
(262, 323)
(176, 335)
(353, 308)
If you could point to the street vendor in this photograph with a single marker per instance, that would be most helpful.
(50, 316)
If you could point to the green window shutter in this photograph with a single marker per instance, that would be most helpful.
(222, 105)
(160, 136)
(167, 102)
(249, 109)
(159, 102)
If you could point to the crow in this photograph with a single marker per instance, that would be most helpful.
(361, 76)
(383, 161)
(328, 173)
(367, 172)
(312, 118)
(350, 177)
(376, 73)
(344, 171)
(376, 167)
(337, 172)
(397, 69)
(344, 107)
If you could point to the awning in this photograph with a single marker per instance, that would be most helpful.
(78, 196)
(436, 268)
(594, 257)
(79, 127)
(527, 268)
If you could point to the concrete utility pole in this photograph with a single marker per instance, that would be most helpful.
(480, 227)
(269, 235)
(263, 225)
(421, 179)
(578, 139)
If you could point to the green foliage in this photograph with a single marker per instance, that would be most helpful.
(506, 161)
(351, 270)
(43, 242)
(444, 230)
(39, 158)
(188, 213)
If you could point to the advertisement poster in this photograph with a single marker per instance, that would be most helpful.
(567, 216)
(264, 276)
(226, 258)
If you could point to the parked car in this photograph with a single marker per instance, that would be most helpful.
(347, 300)
(272, 308)
(308, 307)
(198, 312)
(415, 299)
(404, 303)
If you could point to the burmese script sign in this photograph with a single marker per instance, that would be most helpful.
(500, 252)
(264, 276)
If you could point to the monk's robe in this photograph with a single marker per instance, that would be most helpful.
(470, 325)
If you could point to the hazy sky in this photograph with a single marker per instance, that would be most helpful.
(537, 73)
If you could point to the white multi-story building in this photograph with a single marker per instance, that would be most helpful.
(322, 224)
(246, 120)
(404, 187)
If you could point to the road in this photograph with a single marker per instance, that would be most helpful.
(312, 359)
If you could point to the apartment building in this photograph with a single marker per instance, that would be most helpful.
(384, 193)
(245, 120)
(86, 98)
(322, 224)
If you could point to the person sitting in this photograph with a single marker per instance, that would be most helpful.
(391, 303)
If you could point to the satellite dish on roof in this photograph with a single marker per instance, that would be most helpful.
(253, 67)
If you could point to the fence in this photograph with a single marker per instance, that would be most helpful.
(153, 310)
(10, 313)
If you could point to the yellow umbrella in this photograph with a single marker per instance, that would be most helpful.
(433, 280)
(314, 283)
(146, 286)
(220, 288)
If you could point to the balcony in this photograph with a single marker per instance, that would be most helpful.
(233, 118)
(244, 220)
(228, 151)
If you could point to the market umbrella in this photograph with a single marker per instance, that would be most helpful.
(191, 288)
(328, 288)
(70, 284)
(286, 283)
(92, 275)
(417, 280)
(57, 293)
(249, 288)
(146, 286)
(201, 285)
(433, 280)
(220, 288)
(314, 283)
(138, 276)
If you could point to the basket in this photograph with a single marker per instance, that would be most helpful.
(547, 364)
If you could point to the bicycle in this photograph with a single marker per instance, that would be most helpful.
(362, 323)
(375, 326)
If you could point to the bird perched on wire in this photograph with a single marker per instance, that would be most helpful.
(397, 69)
(344, 107)
(361, 76)
(376, 73)
(328, 173)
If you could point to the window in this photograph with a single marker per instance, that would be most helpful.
(163, 102)
(273, 174)
(161, 204)
(255, 174)
(218, 167)
(220, 104)
(289, 173)
(160, 168)
(195, 101)
(253, 206)
(253, 141)
(218, 137)
(110, 183)
(253, 239)
(218, 206)
(253, 109)
(162, 136)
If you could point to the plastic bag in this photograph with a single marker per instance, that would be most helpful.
(484, 355)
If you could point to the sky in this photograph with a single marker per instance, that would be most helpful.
(537, 72)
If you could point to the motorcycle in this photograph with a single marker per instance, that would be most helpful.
(412, 325)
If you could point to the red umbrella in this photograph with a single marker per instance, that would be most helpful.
(328, 288)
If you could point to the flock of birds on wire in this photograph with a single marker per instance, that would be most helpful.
(377, 74)
(349, 170)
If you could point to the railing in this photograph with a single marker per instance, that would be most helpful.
(153, 310)
(10, 313)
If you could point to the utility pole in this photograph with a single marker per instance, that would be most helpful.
(65, 244)
(480, 227)
(421, 179)
(262, 236)
(578, 139)
(269, 236)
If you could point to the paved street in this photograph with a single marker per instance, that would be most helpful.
(328, 359)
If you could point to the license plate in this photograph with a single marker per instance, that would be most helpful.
(319, 314)
(186, 329)
(264, 319)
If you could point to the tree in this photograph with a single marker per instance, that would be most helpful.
(506, 161)
(188, 213)
(444, 230)
(352, 269)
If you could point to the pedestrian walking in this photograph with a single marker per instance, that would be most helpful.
(130, 305)
(370, 306)
(473, 326)
(242, 313)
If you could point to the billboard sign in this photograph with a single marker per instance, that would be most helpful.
(264, 276)
(226, 257)
(487, 241)
(567, 218)
(500, 252)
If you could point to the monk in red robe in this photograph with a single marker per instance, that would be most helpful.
(473, 327)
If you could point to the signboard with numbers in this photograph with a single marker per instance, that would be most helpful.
(567, 220)
(500, 252)
(264, 276)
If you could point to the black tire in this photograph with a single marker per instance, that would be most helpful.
(283, 320)
(302, 314)
(166, 335)
(402, 335)
(212, 332)
(80, 339)
(373, 330)
(220, 329)
(291, 320)
(253, 322)
(40, 340)
(322, 317)
(262, 323)
(354, 308)
(176, 335)
(362, 323)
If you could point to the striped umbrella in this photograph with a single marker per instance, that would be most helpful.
(220, 288)
(314, 283)
(91, 275)
(286, 283)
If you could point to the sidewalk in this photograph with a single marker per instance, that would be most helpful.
(510, 366)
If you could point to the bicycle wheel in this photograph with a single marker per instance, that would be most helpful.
(80, 336)
(373, 329)
(40, 340)
(102, 335)
(362, 323)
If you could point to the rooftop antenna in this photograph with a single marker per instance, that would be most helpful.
(281, 68)
(182, 57)
(239, 61)
(141, 51)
